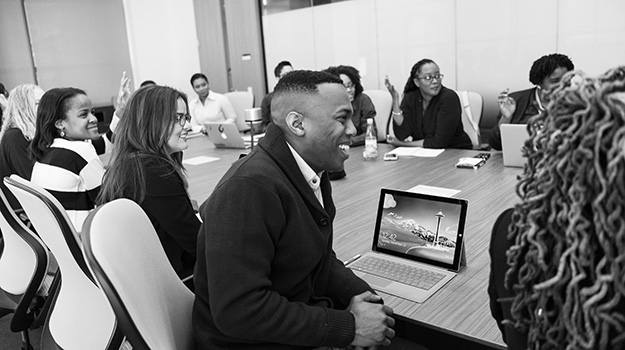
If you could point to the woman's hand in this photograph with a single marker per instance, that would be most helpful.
(123, 94)
(507, 106)
(391, 89)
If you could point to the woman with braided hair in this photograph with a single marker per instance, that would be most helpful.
(564, 245)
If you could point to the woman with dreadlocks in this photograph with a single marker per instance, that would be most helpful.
(564, 287)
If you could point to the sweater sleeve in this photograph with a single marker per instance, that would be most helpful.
(168, 203)
(241, 245)
(448, 116)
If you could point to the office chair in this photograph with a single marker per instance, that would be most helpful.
(383, 103)
(472, 108)
(24, 279)
(80, 316)
(151, 303)
(241, 100)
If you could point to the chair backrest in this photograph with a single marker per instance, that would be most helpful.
(23, 264)
(241, 100)
(81, 317)
(150, 301)
(383, 103)
(472, 108)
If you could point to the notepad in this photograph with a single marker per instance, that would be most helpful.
(416, 152)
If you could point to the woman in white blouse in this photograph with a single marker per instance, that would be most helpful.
(209, 106)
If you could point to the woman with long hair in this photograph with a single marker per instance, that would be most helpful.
(145, 167)
(430, 115)
(565, 286)
(66, 162)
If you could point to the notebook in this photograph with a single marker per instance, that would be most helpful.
(226, 135)
(414, 232)
(513, 138)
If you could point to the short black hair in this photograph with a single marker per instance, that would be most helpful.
(278, 69)
(196, 76)
(304, 81)
(147, 82)
(546, 65)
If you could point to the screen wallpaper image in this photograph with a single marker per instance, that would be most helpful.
(419, 227)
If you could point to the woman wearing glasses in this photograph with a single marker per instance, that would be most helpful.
(145, 168)
(430, 114)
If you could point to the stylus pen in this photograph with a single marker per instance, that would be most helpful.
(356, 257)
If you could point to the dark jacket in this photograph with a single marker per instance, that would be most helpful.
(522, 99)
(441, 124)
(169, 208)
(266, 275)
(500, 296)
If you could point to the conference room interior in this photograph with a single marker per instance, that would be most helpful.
(483, 46)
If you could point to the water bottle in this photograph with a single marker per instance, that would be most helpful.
(371, 142)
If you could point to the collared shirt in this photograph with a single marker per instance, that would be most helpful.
(313, 179)
(216, 108)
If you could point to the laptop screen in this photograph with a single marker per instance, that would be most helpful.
(421, 227)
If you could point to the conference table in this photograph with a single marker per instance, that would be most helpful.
(461, 308)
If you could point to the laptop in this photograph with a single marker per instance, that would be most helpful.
(414, 233)
(226, 135)
(513, 137)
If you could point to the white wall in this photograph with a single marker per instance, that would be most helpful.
(480, 45)
(163, 42)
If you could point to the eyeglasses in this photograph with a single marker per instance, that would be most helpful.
(183, 118)
(429, 78)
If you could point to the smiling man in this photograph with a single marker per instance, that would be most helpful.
(266, 274)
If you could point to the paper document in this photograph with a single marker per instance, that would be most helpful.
(416, 152)
(434, 191)
(199, 160)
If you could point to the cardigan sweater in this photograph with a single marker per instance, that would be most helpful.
(169, 208)
(14, 159)
(523, 100)
(440, 126)
(266, 275)
(72, 172)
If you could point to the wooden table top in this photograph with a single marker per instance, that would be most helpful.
(462, 306)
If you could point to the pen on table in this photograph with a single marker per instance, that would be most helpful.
(356, 257)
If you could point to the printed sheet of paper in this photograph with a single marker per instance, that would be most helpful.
(434, 191)
(416, 152)
(199, 160)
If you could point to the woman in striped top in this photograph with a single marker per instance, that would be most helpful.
(67, 164)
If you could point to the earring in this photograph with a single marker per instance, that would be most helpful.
(62, 133)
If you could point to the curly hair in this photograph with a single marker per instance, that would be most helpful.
(567, 267)
(546, 65)
(352, 73)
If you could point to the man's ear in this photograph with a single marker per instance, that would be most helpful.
(294, 121)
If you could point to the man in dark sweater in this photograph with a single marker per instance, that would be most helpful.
(266, 275)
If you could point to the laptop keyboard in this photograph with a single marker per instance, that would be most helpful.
(398, 272)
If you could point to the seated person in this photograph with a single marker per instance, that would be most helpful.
(145, 168)
(361, 103)
(265, 107)
(557, 258)
(518, 107)
(430, 115)
(66, 163)
(19, 129)
(209, 106)
(266, 275)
